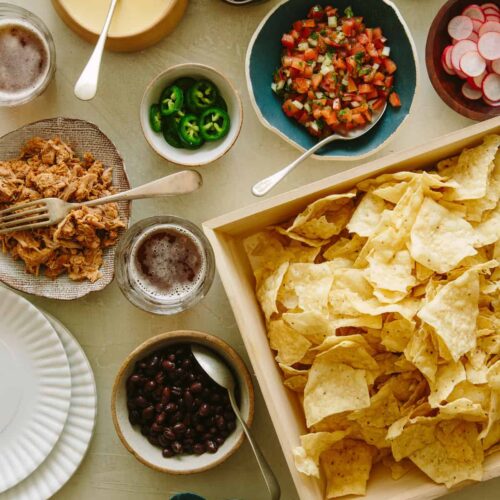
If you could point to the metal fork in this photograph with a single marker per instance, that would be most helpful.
(49, 211)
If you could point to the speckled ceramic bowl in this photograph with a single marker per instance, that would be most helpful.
(263, 57)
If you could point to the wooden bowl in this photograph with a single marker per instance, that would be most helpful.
(87, 18)
(449, 87)
(138, 445)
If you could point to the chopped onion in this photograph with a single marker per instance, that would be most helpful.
(298, 104)
(332, 21)
(386, 51)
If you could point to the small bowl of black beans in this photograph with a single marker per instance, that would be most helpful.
(170, 414)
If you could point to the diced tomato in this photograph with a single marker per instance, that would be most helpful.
(336, 104)
(351, 85)
(379, 103)
(359, 47)
(358, 119)
(288, 41)
(328, 83)
(330, 117)
(309, 23)
(351, 64)
(301, 85)
(368, 115)
(289, 108)
(330, 11)
(390, 66)
(298, 64)
(365, 88)
(311, 55)
(286, 61)
(339, 64)
(317, 112)
(303, 117)
(297, 25)
(308, 71)
(363, 39)
(371, 95)
(345, 115)
(295, 34)
(316, 12)
(379, 44)
(348, 27)
(305, 33)
(316, 80)
(389, 81)
(395, 100)
(377, 33)
(369, 34)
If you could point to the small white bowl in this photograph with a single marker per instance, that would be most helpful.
(139, 446)
(210, 151)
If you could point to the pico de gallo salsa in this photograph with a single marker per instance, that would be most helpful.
(334, 72)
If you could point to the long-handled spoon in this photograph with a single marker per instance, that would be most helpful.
(219, 372)
(86, 86)
(265, 185)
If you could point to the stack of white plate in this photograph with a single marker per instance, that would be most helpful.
(47, 401)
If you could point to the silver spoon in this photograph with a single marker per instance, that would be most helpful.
(265, 185)
(86, 86)
(219, 372)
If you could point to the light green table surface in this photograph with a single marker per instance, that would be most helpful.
(106, 325)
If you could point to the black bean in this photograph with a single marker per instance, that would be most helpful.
(219, 441)
(220, 422)
(205, 394)
(211, 446)
(141, 402)
(158, 408)
(166, 395)
(171, 357)
(199, 448)
(156, 428)
(161, 418)
(169, 434)
(171, 408)
(134, 380)
(131, 404)
(179, 429)
(177, 447)
(162, 441)
(160, 378)
(145, 430)
(188, 399)
(168, 366)
(204, 410)
(134, 417)
(196, 387)
(150, 386)
(148, 413)
(167, 452)
(176, 390)
(153, 440)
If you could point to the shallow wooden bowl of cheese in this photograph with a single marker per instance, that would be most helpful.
(135, 25)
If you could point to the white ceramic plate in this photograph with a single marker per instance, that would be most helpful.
(35, 388)
(72, 446)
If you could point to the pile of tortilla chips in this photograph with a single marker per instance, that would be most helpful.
(383, 307)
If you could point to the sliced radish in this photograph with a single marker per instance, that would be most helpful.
(476, 25)
(446, 60)
(495, 104)
(491, 87)
(489, 26)
(470, 92)
(474, 12)
(489, 11)
(472, 63)
(478, 80)
(495, 66)
(471, 82)
(490, 5)
(474, 37)
(461, 74)
(489, 45)
(460, 27)
(491, 17)
(459, 50)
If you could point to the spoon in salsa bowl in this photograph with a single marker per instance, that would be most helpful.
(263, 187)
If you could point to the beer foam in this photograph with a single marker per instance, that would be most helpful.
(177, 291)
(24, 59)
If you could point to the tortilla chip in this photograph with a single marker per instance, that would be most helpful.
(447, 377)
(398, 469)
(396, 334)
(453, 313)
(367, 215)
(291, 345)
(350, 353)
(439, 238)
(347, 467)
(333, 388)
(407, 439)
(267, 293)
(455, 455)
(312, 446)
(422, 353)
(311, 324)
(488, 231)
(345, 247)
(391, 271)
(472, 170)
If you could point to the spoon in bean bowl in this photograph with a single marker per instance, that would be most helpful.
(263, 187)
(220, 373)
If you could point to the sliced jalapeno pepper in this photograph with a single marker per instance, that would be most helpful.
(171, 100)
(221, 103)
(175, 118)
(189, 132)
(155, 117)
(185, 82)
(171, 135)
(214, 124)
(202, 95)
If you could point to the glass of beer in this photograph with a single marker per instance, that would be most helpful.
(164, 265)
(27, 55)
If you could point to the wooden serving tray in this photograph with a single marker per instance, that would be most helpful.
(226, 234)
(75, 14)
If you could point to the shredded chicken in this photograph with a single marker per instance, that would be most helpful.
(50, 169)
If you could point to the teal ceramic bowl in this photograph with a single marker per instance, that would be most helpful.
(263, 57)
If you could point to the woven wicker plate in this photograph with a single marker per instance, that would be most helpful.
(82, 136)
